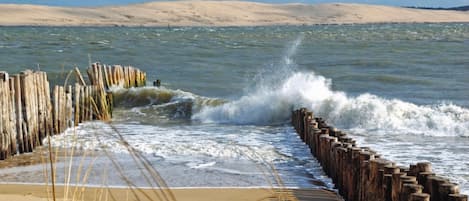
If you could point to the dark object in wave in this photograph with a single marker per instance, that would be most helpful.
(157, 83)
(460, 8)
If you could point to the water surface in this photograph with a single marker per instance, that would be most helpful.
(227, 94)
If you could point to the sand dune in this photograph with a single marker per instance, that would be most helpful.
(219, 13)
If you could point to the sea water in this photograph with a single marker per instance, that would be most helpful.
(221, 116)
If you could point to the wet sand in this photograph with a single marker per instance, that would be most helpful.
(12, 191)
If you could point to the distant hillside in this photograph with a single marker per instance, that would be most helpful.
(220, 13)
(460, 8)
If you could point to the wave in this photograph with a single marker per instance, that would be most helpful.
(365, 112)
(272, 104)
(154, 102)
(281, 88)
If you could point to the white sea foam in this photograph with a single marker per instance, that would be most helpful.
(168, 143)
(364, 113)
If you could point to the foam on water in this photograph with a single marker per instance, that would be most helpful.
(169, 143)
(271, 104)
(203, 154)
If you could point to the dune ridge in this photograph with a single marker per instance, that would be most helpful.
(220, 13)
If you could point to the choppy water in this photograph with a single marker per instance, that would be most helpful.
(400, 88)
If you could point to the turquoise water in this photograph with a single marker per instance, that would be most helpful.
(227, 93)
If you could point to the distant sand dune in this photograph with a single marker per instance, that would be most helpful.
(220, 13)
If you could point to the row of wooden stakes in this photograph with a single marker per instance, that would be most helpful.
(29, 112)
(360, 174)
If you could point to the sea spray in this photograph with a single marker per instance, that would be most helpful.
(276, 94)
(270, 77)
(267, 103)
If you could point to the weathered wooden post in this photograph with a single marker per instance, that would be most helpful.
(420, 197)
(365, 158)
(77, 107)
(397, 185)
(408, 190)
(356, 164)
(389, 171)
(457, 197)
(447, 189)
(423, 180)
(436, 182)
(5, 141)
(18, 113)
(29, 108)
(308, 119)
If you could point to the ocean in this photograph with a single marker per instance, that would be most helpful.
(221, 116)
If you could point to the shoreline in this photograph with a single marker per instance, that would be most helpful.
(208, 14)
(228, 27)
(172, 187)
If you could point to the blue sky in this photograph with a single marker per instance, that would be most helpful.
(428, 3)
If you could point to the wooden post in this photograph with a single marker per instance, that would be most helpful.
(69, 105)
(436, 182)
(56, 110)
(365, 158)
(397, 185)
(423, 180)
(62, 112)
(4, 135)
(79, 77)
(356, 176)
(420, 197)
(408, 190)
(86, 107)
(447, 189)
(76, 118)
(19, 114)
(457, 197)
(28, 130)
(107, 79)
(49, 114)
(82, 104)
(389, 171)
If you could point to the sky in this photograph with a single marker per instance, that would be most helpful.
(424, 3)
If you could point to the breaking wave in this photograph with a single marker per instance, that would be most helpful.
(271, 103)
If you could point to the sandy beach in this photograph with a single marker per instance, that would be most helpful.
(20, 192)
(219, 13)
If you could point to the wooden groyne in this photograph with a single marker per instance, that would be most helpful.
(30, 110)
(360, 174)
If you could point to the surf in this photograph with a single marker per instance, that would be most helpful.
(281, 88)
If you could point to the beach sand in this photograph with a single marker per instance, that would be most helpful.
(219, 13)
(28, 192)
(12, 187)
